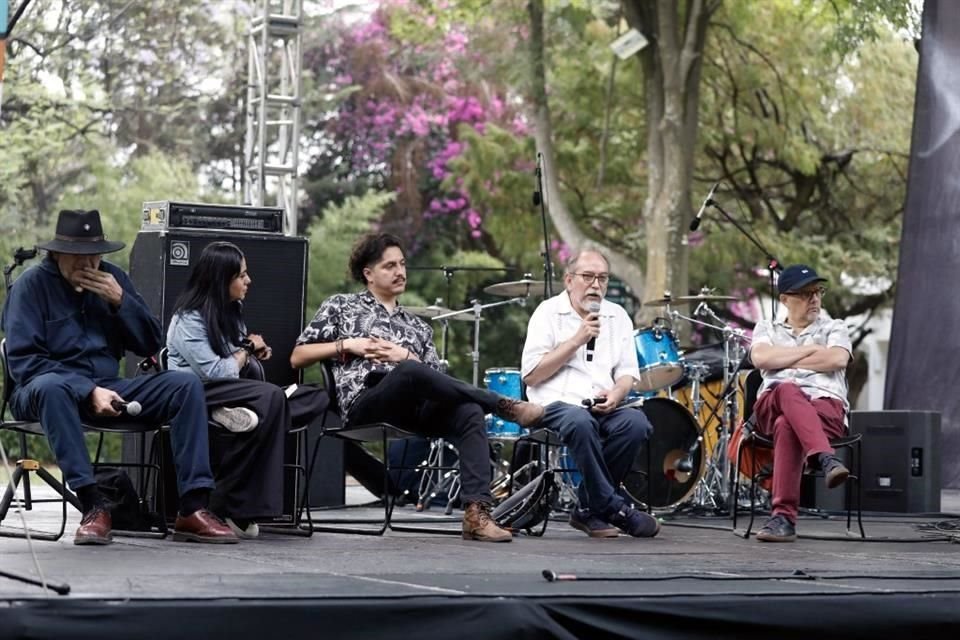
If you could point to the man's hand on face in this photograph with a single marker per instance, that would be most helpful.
(101, 283)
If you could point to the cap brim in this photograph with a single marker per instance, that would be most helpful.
(803, 283)
(82, 248)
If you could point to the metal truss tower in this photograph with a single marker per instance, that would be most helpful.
(272, 139)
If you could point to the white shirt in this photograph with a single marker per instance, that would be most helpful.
(615, 355)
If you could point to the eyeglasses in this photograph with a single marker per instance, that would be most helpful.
(808, 295)
(588, 278)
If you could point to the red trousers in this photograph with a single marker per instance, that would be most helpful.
(800, 427)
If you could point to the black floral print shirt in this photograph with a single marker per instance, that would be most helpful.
(361, 315)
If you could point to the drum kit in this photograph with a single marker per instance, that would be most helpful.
(692, 403)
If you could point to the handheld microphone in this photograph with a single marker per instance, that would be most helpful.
(695, 223)
(589, 402)
(131, 409)
(593, 307)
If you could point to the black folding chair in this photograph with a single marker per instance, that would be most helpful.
(852, 442)
(25, 464)
(382, 432)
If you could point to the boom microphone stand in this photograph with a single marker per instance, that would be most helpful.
(539, 198)
(773, 265)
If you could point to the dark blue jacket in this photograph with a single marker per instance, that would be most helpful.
(50, 328)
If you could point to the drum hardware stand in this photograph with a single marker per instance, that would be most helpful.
(477, 310)
(713, 489)
(447, 476)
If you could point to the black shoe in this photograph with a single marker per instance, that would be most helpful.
(777, 529)
(592, 525)
(834, 471)
(639, 524)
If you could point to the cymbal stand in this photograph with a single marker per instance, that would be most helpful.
(477, 311)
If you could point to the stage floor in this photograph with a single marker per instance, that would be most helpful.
(691, 559)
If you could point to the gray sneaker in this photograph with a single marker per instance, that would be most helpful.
(235, 419)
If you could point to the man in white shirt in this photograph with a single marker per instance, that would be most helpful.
(580, 347)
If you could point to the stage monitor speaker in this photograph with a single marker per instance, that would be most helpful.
(160, 264)
(901, 460)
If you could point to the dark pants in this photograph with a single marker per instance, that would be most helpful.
(429, 403)
(171, 397)
(603, 448)
(800, 428)
(248, 467)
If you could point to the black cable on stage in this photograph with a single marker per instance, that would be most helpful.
(798, 574)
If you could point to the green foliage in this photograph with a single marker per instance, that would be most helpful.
(331, 240)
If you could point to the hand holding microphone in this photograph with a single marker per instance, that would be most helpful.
(122, 407)
(590, 402)
(593, 320)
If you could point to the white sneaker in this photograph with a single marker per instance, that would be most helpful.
(252, 531)
(235, 419)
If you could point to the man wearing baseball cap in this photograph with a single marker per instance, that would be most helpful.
(68, 321)
(802, 402)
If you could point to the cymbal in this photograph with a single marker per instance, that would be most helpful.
(435, 310)
(705, 297)
(525, 287)
(428, 312)
(662, 302)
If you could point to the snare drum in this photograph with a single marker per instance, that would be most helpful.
(659, 358)
(506, 382)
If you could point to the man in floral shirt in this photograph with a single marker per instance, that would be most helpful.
(387, 370)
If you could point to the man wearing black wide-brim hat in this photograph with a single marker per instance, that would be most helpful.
(68, 321)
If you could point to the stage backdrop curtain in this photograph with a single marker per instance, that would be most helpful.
(924, 361)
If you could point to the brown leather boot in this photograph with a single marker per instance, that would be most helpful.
(478, 525)
(526, 414)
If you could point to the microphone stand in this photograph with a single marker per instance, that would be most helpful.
(773, 265)
(539, 197)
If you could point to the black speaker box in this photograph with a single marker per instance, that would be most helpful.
(160, 264)
(901, 460)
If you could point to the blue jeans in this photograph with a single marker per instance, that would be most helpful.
(172, 397)
(603, 448)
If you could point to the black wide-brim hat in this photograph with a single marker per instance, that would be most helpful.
(80, 232)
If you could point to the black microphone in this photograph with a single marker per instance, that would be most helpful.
(21, 254)
(593, 307)
(695, 223)
(131, 409)
(537, 198)
(589, 402)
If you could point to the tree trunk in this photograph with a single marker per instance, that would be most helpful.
(624, 266)
(671, 66)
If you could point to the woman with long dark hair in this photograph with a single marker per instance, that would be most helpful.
(207, 335)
